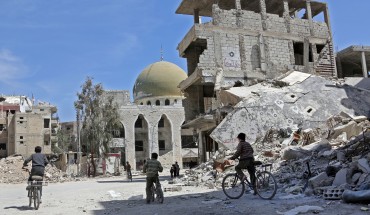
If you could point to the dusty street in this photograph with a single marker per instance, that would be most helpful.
(117, 196)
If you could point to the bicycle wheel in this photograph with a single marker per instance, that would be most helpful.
(266, 185)
(232, 186)
(36, 198)
(30, 192)
(153, 193)
(160, 196)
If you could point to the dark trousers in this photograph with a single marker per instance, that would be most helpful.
(249, 165)
(149, 184)
(38, 171)
(129, 175)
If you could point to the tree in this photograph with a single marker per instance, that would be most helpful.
(98, 115)
(64, 142)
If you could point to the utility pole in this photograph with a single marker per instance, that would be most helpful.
(78, 144)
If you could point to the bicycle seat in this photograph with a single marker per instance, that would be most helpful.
(37, 178)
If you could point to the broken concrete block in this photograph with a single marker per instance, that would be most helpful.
(352, 129)
(294, 190)
(341, 156)
(327, 153)
(340, 177)
(342, 137)
(363, 165)
(318, 146)
(319, 180)
(301, 210)
(359, 119)
(356, 177)
(333, 194)
(363, 178)
(293, 152)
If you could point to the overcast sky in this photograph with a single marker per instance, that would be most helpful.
(49, 47)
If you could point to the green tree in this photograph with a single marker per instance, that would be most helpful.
(99, 116)
(64, 141)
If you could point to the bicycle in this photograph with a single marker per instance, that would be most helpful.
(265, 183)
(34, 189)
(157, 192)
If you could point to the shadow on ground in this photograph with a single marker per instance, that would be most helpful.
(20, 208)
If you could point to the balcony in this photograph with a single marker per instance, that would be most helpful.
(54, 122)
(54, 132)
(196, 35)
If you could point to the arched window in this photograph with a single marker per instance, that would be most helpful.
(141, 103)
(167, 102)
(175, 101)
(148, 103)
(157, 103)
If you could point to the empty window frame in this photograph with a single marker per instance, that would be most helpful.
(46, 123)
(139, 146)
(162, 145)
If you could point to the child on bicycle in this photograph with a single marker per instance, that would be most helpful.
(39, 161)
(245, 151)
(152, 167)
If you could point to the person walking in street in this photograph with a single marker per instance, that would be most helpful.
(151, 168)
(128, 170)
(177, 169)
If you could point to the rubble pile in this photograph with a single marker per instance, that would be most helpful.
(338, 158)
(11, 172)
(210, 173)
(338, 154)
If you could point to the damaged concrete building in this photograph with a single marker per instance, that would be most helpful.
(152, 122)
(305, 101)
(353, 65)
(243, 43)
(25, 125)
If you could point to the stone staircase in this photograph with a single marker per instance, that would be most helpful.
(326, 61)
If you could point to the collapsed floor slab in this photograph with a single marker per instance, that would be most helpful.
(295, 101)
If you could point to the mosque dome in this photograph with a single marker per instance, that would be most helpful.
(160, 79)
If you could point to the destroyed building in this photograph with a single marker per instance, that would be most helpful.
(152, 122)
(25, 125)
(245, 41)
(304, 101)
(69, 129)
(354, 61)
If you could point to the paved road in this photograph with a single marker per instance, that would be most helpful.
(117, 196)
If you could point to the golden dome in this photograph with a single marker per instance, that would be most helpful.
(159, 79)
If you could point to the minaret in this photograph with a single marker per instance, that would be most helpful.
(161, 53)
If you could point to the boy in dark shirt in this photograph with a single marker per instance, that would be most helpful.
(39, 161)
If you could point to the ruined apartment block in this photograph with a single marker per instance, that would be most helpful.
(23, 126)
(244, 41)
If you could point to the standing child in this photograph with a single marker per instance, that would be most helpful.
(152, 167)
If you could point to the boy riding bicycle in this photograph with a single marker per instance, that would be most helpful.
(39, 161)
(245, 151)
(152, 167)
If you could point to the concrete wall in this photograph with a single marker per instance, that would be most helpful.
(150, 133)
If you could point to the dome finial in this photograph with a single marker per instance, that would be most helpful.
(161, 53)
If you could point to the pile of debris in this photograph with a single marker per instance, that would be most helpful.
(11, 172)
(338, 154)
